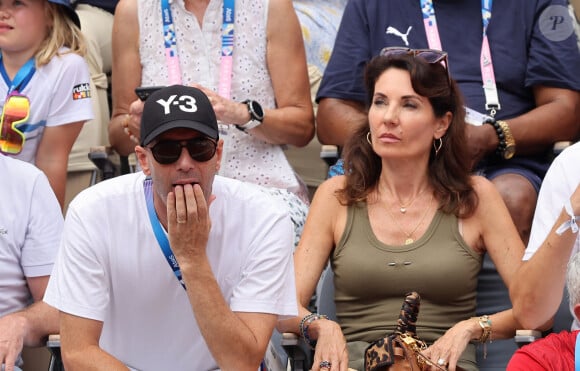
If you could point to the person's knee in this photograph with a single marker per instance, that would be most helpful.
(520, 198)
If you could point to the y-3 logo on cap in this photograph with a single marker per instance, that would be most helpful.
(185, 103)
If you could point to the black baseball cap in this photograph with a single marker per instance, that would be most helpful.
(177, 106)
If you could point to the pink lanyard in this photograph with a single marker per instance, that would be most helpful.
(227, 49)
(486, 65)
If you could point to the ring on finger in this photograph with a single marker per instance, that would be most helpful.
(441, 362)
(180, 221)
(325, 364)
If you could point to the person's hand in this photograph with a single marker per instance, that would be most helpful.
(481, 140)
(12, 332)
(446, 351)
(330, 346)
(226, 110)
(188, 221)
(131, 121)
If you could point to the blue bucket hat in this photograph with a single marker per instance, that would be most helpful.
(70, 11)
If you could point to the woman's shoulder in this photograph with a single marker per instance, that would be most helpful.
(333, 184)
(482, 186)
(327, 190)
(487, 194)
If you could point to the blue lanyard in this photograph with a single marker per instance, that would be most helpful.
(159, 232)
(577, 353)
(22, 78)
(486, 14)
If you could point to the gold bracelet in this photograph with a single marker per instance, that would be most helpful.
(485, 324)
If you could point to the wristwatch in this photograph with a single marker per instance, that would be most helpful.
(256, 115)
(506, 148)
(510, 143)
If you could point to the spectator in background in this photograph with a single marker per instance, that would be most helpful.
(45, 84)
(319, 22)
(530, 59)
(30, 231)
(537, 293)
(556, 352)
(96, 17)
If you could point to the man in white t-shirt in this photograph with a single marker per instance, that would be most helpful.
(174, 268)
(537, 293)
(30, 230)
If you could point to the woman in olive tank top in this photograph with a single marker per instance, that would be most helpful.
(407, 216)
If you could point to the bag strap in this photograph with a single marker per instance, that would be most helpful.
(408, 316)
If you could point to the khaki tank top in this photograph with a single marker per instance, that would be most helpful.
(372, 278)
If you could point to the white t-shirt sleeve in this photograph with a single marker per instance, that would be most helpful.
(558, 185)
(71, 99)
(267, 284)
(43, 231)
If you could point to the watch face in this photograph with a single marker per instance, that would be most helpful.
(509, 152)
(256, 110)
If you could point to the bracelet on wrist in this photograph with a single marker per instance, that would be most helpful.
(568, 224)
(506, 147)
(305, 324)
(485, 323)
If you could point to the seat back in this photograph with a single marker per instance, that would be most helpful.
(325, 294)
(493, 297)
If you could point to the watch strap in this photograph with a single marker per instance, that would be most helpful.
(249, 125)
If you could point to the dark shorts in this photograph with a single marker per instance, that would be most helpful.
(531, 169)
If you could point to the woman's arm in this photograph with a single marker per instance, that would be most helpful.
(126, 76)
(292, 122)
(537, 292)
(52, 155)
(324, 226)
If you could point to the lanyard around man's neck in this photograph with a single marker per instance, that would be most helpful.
(159, 232)
(227, 47)
(486, 65)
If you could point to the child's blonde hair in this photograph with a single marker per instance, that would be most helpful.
(62, 32)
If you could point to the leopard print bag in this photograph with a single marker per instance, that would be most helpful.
(401, 350)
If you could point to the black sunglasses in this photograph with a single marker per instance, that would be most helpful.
(431, 56)
(168, 151)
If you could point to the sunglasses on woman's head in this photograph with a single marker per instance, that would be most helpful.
(200, 149)
(431, 56)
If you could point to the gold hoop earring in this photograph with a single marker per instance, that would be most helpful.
(369, 138)
(437, 144)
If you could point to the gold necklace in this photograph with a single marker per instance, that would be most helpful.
(402, 207)
(409, 235)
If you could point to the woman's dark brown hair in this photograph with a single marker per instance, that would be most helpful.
(449, 170)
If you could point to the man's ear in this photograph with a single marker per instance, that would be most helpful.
(219, 152)
(143, 158)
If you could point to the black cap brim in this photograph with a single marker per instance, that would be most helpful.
(193, 125)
